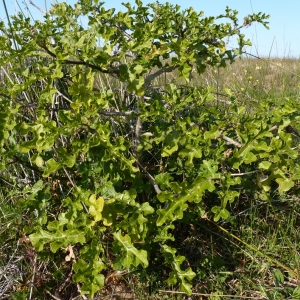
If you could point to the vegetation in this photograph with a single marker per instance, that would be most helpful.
(138, 161)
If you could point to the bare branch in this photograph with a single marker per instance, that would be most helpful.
(42, 11)
(273, 128)
(79, 62)
(231, 141)
(246, 173)
(158, 73)
(119, 113)
(152, 180)
(237, 144)
(52, 296)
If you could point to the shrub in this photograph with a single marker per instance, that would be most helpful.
(110, 166)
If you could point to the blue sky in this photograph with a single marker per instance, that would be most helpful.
(282, 40)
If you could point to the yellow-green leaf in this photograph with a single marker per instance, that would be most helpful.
(96, 207)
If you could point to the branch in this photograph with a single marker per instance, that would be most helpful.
(42, 11)
(26, 164)
(159, 72)
(119, 113)
(54, 297)
(123, 31)
(246, 173)
(231, 141)
(7, 181)
(237, 144)
(79, 62)
(138, 132)
(83, 63)
(152, 180)
(273, 128)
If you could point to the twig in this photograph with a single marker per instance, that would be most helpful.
(273, 128)
(152, 180)
(130, 38)
(42, 11)
(79, 290)
(6, 181)
(159, 72)
(231, 141)
(246, 173)
(66, 281)
(69, 177)
(33, 277)
(235, 143)
(63, 96)
(79, 62)
(54, 297)
(138, 133)
(119, 113)
(5, 297)
(26, 164)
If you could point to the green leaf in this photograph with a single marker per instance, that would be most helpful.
(130, 256)
(279, 277)
(171, 143)
(173, 211)
(209, 169)
(88, 267)
(38, 160)
(163, 235)
(285, 184)
(146, 209)
(56, 239)
(83, 271)
(224, 213)
(43, 138)
(296, 293)
(249, 157)
(178, 274)
(216, 210)
(177, 203)
(51, 167)
(163, 179)
(190, 152)
(138, 69)
(209, 135)
(66, 158)
(185, 71)
(96, 207)
(265, 165)
(243, 154)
